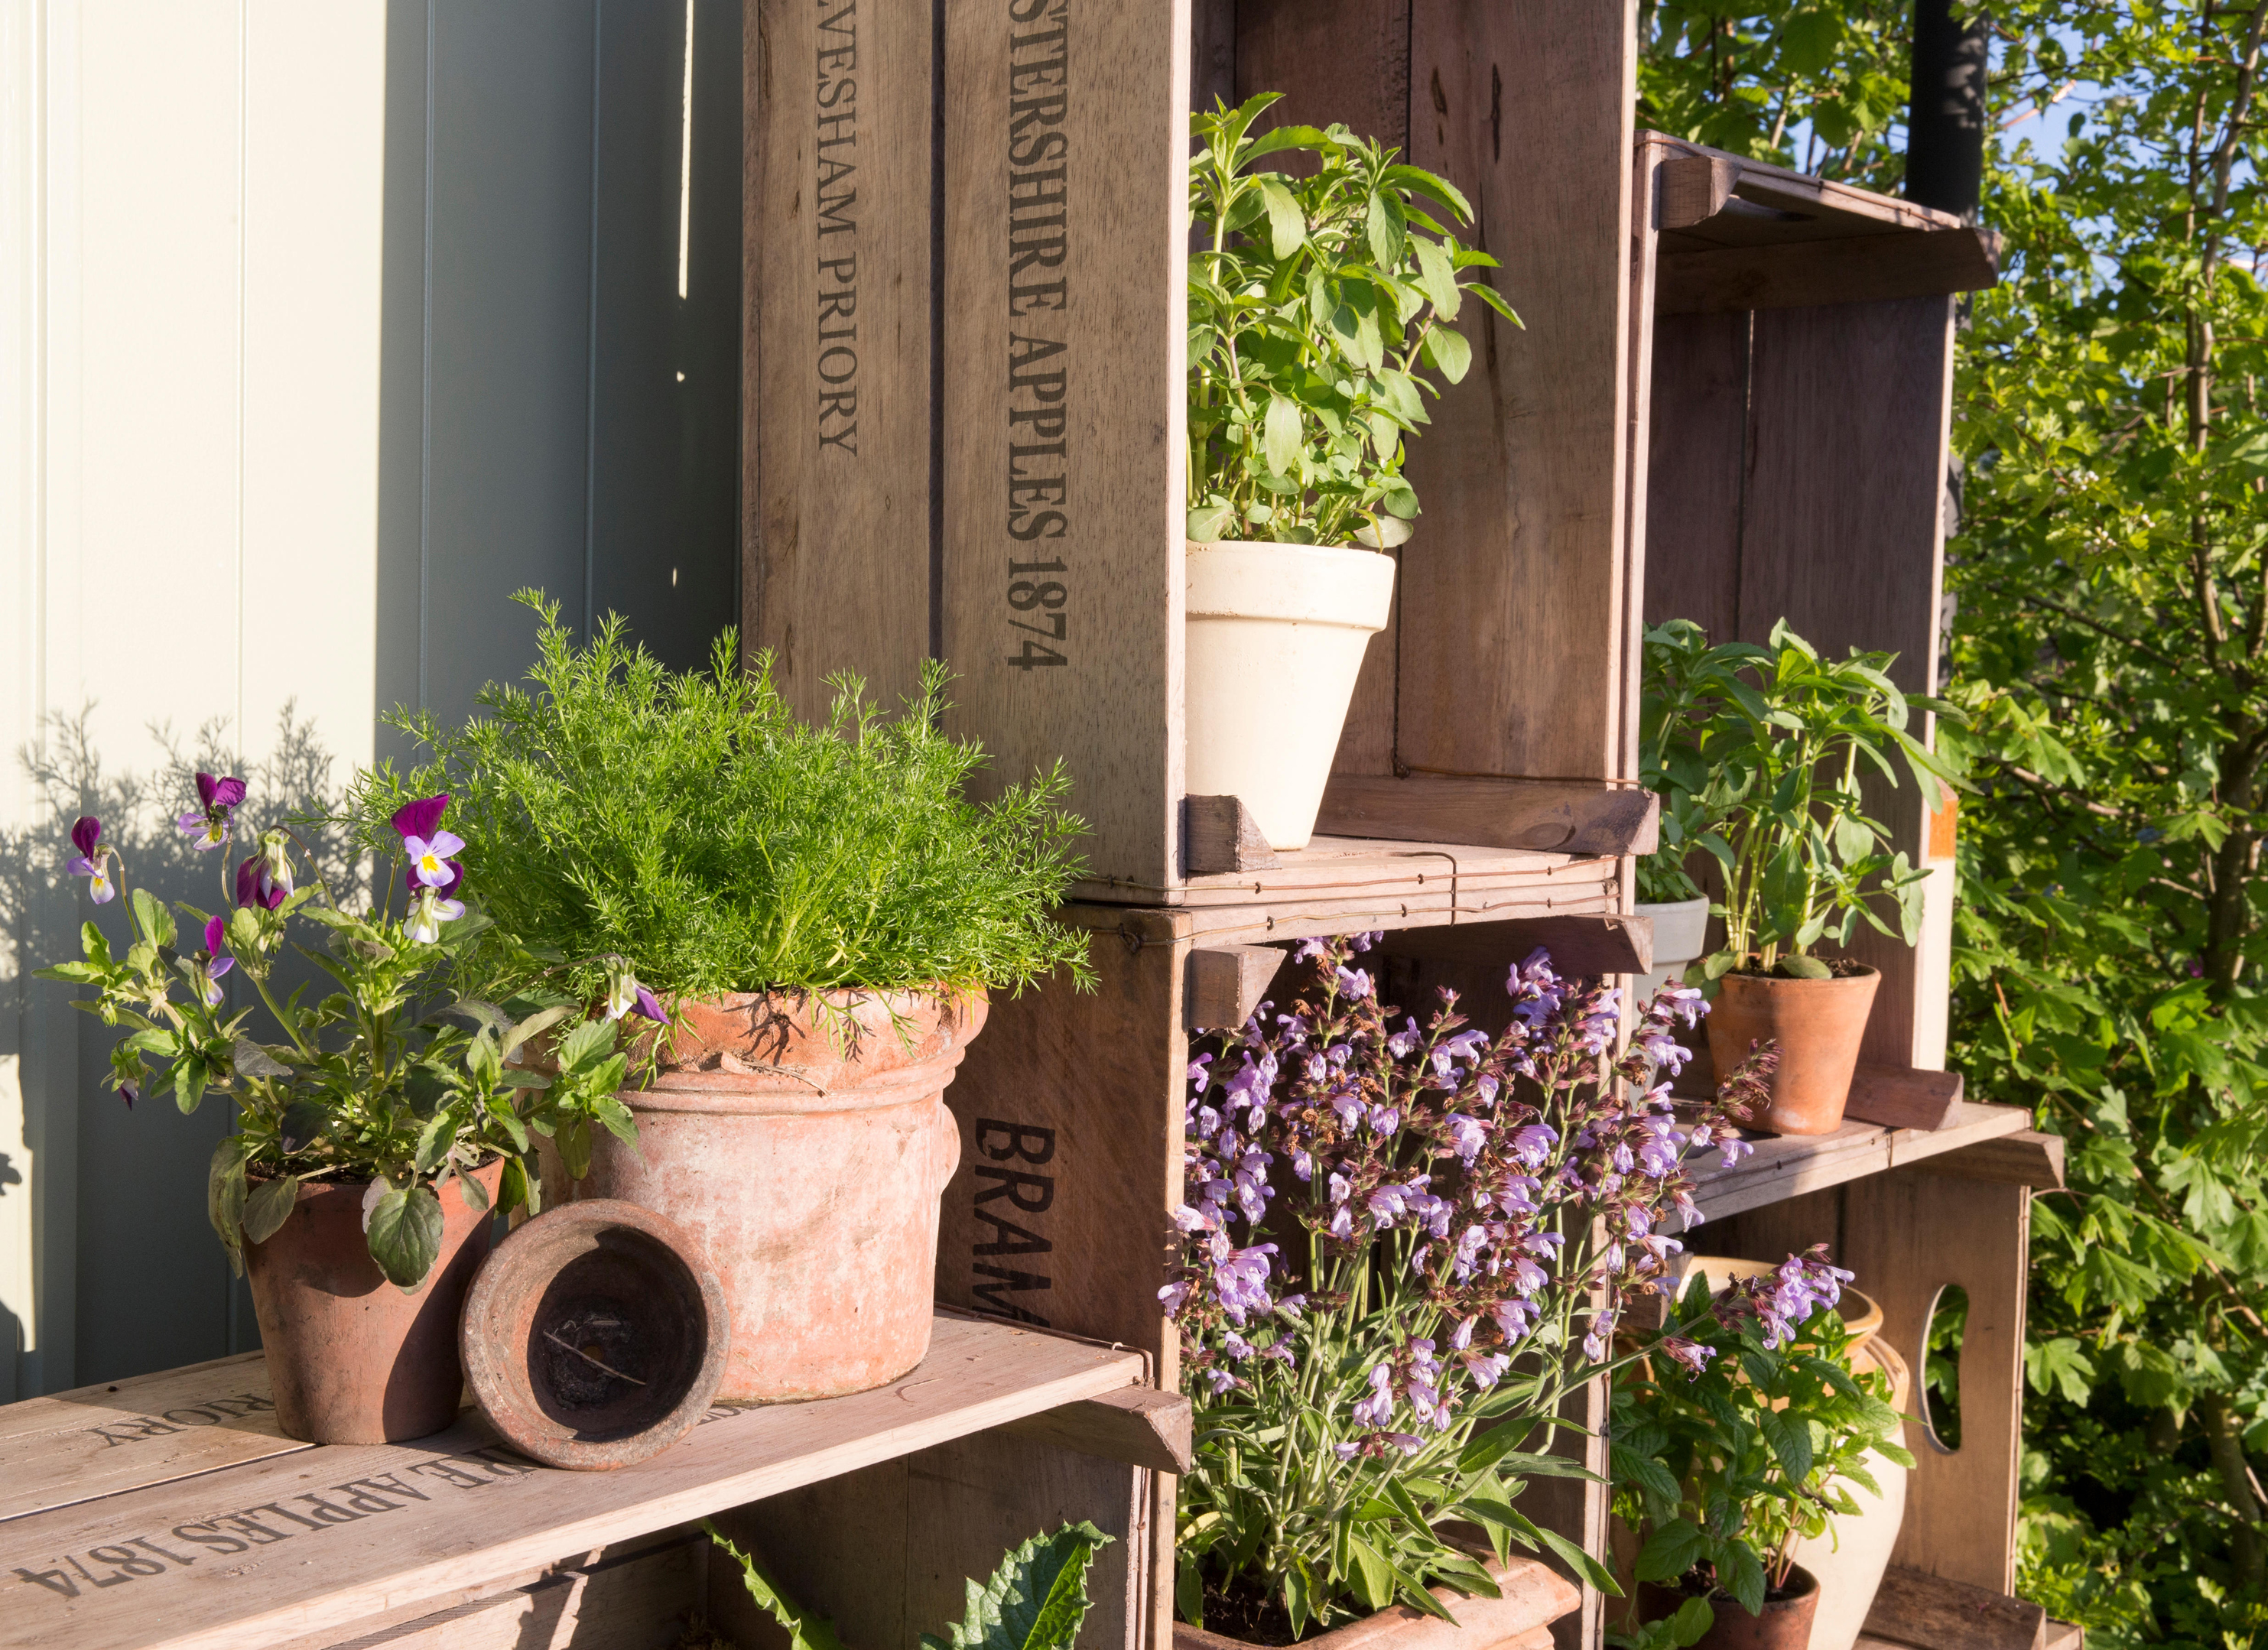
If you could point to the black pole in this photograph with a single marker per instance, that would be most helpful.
(1945, 129)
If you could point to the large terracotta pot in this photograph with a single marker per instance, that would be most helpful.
(1534, 1598)
(808, 1171)
(1275, 637)
(1785, 1624)
(1817, 1024)
(352, 1359)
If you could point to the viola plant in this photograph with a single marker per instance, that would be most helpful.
(1468, 1218)
(403, 1077)
(1748, 1434)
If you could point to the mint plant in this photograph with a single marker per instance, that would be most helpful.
(1317, 300)
(401, 1077)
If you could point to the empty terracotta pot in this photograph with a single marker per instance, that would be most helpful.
(808, 1169)
(595, 1336)
(352, 1359)
(1785, 1624)
(1817, 1024)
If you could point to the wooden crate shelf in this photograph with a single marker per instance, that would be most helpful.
(1789, 1166)
(156, 1512)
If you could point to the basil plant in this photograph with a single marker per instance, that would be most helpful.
(1318, 299)
(1763, 756)
(404, 1076)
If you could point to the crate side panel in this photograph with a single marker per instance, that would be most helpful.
(1699, 415)
(837, 420)
(1063, 431)
(1512, 610)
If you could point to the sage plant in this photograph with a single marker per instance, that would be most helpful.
(1403, 1245)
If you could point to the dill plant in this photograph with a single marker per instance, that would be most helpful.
(689, 828)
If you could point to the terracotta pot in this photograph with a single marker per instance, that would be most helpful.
(352, 1359)
(1534, 1598)
(808, 1171)
(1785, 1624)
(1817, 1024)
(596, 1336)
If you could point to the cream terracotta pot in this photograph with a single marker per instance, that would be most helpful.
(1275, 637)
(809, 1173)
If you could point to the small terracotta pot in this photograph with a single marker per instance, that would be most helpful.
(352, 1359)
(1817, 1024)
(595, 1336)
(1785, 1624)
(808, 1169)
(1534, 1598)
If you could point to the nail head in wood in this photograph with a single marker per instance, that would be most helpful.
(1900, 1098)
(1219, 834)
(1226, 984)
(1141, 1426)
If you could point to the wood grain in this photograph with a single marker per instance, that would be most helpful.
(1782, 1167)
(1564, 816)
(1695, 187)
(1226, 984)
(838, 417)
(1909, 263)
(1909, 1235)
(2017, 1159)
(1588, 947)
(1333, 60)
(1900, 1098)
(1140, 1427)
(1220, 834)
(1694, 453)
(480, 1514)
(636, 1601)
(96, 1440)
(1063, 430)
(1914, 1608)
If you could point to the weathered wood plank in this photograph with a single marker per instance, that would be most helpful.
(1904, 1099)
(1585, 945)
(1064, 254)
(1140, 1427)
(1914, 1608)
(161, 1565)
(2017, 1159)
(75, 1446)
(1219, 835)
(1226, 984)
(1784, 1166)
(1558, 816)
(1695, 189)
(634, 1600)
(1866, 269)
(836, 427)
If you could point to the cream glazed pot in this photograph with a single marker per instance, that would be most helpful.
(1276, 635)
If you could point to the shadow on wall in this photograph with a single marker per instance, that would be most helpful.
(152, 1286)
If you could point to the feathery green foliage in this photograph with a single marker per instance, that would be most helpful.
(692, 826)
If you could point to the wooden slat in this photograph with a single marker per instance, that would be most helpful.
(1909, 1235)
(1341, 867)
(2016, 1160)
(1908, 263)
(1914, 1608)
(1219, 835)
(1555, 816)
(1784, 1166)
(1514, 658)
(1227, 981)
(1586, 946)
(164, 1565)
(1141, 1426)
(1904, 1099)
(75, 1446)
(1065, 269)
(1779, 189)
(1695, 189)
(625, 1600)
(836, 570)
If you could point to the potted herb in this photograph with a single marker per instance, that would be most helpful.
(1403, 1246)
(819, 911)
(1741, 1434)
(376, 1137)
(1319, 298)
(1765, 751)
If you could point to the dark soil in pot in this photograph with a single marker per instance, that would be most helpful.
(1785, 1624)
(1817, 1024)
(352, 1359)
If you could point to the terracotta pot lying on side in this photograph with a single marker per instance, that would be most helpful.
(1785, 1624)
(809, 1172)
(1534, 1598)
(352, 1359)
(1817, 1024)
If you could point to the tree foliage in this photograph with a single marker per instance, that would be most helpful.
(2112, 647)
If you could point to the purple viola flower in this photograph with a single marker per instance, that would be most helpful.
(92, 860)
(212, 963)
(428, 846)
(415, 885)
(129, 1094)
(426, 916)
(209, 826)
(624, 994)
(250, 891)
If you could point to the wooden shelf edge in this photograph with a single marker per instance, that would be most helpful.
(1573, 816)
(1784, 1166)
(1933, 1613)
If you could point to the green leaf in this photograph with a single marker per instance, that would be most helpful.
(1373, 1577)
(224, 1195)
(435, 1139)
(405, 1235)
(1287, 226)
(1585, 1566)
(470, 1188)
(512, 1190)
(1438, 278)
(1790, 1437)
(806, 1630)
(155, 921)
(1037, 1600)
(1448, 350)
(1741, 1574)
(270, 1207)
(1670, 1551)
(1280, 436)
(251, 1060)
(1386, 224)
(1805, 968)
(588, 1043)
